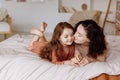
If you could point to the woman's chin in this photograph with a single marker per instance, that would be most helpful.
(78, 42)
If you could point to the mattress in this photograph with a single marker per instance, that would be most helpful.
(18, 63)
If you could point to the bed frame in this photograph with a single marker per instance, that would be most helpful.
(106, 77)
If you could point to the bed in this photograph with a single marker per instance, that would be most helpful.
(18, 63)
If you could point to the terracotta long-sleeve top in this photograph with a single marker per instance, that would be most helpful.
(66, 56)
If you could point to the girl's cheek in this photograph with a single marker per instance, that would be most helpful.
(73, 37)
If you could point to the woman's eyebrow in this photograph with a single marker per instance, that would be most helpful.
(79, 33)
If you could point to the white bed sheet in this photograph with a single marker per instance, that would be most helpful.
(18, 63)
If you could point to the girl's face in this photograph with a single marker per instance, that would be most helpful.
(66, 37)
(80, 35)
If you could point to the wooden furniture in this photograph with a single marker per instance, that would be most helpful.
(117, 23)
(106, 15)
(107, 77)
(118, 18)
(6, 26)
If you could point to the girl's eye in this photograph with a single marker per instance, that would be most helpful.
(65, 36)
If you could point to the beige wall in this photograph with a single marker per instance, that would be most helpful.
(27, 15)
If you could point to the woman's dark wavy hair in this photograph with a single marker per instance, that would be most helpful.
(55, 43)
(96, 36)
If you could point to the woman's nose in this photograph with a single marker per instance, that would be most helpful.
(74, 35)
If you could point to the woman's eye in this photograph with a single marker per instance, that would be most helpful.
(79, 35)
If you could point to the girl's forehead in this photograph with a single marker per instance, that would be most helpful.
(67, 30)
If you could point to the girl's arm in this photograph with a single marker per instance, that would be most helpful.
(54, 58)
(76, 61)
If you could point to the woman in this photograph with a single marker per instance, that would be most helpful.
(90, 40)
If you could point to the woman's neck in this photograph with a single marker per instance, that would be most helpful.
(86, 44)
(83, 48)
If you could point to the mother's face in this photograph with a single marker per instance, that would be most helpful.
(80, 35)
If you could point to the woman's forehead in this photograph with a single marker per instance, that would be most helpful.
(81, 29)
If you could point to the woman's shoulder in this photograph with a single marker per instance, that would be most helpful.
(102, 57)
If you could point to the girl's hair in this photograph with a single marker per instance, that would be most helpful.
(55, 44)
(96, 36)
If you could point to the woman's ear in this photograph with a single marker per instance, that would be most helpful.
(88, 40)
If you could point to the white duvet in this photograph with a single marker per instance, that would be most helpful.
(17, 63)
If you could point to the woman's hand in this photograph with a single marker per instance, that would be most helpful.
(83, 62)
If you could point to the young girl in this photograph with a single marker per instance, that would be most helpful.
(60, 49)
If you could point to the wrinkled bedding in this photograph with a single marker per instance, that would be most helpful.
(18, 63)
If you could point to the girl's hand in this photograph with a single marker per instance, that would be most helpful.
(71, 63)
(74, 61)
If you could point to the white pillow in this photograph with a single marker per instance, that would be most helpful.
(3, 14)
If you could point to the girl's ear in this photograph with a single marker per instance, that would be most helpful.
(59, 39)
